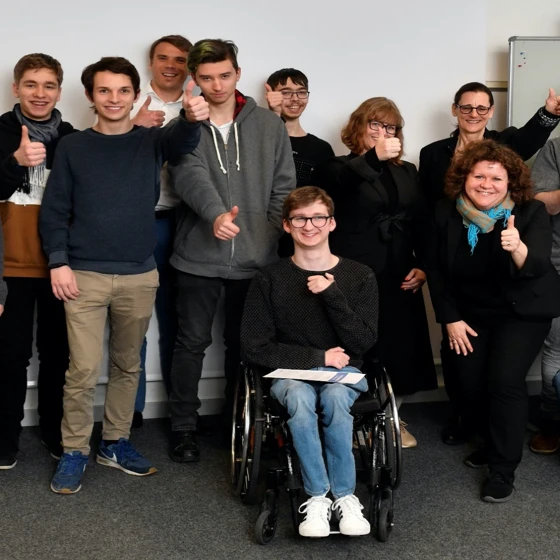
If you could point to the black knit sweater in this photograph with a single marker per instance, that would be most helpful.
(285, 325)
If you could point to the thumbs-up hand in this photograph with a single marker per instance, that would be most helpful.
(510, 236)
(387, 147)
(148, 118)
(319, 283)
(29, 154)
(552, 103)
(224, 228)
(274, 100)
(196, 107)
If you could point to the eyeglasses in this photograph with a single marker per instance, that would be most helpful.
(391, 129)
(301, 221)
(288, 94)
(467, 109)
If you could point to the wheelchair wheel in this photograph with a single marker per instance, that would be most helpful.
(393, 445)
(247, 435)
(265, 527)
(383, 519)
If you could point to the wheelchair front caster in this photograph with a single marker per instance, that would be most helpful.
(384, 514)
(265, 526)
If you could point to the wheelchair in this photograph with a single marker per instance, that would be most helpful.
(260, 428)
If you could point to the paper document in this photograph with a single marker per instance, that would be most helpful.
(315, 375)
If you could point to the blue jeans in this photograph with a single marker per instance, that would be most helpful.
(164, 306)
(301, 399)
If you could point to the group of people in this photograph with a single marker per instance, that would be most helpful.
(172, 198)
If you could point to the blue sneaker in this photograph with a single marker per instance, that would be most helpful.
(123, 456)
(68, 476)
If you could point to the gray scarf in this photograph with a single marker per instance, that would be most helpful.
(39, 131)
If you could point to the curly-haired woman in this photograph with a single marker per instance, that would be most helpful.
(494, 289)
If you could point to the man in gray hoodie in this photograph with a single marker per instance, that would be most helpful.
(233, 187)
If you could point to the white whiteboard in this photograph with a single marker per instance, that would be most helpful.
(533, 68)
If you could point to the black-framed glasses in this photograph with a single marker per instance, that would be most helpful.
(391, 129)
(288, 94)
(467, 109)
(301, 221)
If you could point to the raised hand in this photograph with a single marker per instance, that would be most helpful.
(510, 236)
(224, 228)
(148, 118)
(552, 103)
(387, 147)
(29, 154)
(196, 107)
(319, 283)
(274, 99)
(335, 357)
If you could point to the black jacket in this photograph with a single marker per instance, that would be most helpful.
(367, 230)
(537, 278)
(435, 158)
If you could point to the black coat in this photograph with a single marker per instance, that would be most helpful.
(537, 277)
(435, 158)
(386, 234)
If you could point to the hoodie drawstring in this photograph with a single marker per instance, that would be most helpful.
(224, 170)
(236, 146)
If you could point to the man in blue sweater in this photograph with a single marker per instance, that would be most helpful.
(98, 231)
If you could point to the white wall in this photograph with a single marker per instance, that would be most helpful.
(417, 53)
(507, 18)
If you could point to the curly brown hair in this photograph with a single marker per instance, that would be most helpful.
(378, 109)
(520, 186)
(306, 196)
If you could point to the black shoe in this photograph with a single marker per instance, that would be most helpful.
(453, 433)
(498, 488)
(477, 459)
(7, 460)
(137, 419)
(54, 446)
(184, 448)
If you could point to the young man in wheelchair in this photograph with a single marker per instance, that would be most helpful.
(315, 310)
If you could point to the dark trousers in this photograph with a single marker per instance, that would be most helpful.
(16, 347)
(164, 306)
(491, 379)
(197, 301)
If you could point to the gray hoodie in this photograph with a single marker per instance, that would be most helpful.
(546, 175)
(254, 171)
(3, 287)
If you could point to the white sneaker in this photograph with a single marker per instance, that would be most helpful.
(407, 439)
(317, 516)
(351, 520)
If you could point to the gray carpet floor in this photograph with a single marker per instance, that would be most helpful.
(188, 511)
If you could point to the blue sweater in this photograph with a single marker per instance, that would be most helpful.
(98, 208)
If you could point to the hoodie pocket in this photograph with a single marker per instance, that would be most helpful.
(256, 244)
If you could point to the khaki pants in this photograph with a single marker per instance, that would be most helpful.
(127, 300)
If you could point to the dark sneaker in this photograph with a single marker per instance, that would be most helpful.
(477, 459)
(7, 460)
(544, 443)
(123, 456)
(54, 447)
(184, 447)
(498, 488)
(69, 473)
(137, 419)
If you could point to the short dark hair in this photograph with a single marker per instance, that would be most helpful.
(280, 78)
(178, 41)
(37, 61)
(306, 196)
(473, 87)
(114, 64)
(520, 185)
(212, 50)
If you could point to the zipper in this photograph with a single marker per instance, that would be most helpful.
(232, 250)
